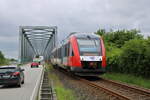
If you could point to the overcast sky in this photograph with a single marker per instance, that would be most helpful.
(70, 16)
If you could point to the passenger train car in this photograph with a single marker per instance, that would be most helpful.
(81, 53)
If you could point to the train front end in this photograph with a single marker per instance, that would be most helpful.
(91, 55)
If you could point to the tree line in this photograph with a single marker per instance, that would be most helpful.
(3, 60)
(127, 52)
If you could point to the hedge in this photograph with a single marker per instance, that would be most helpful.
(127, 52)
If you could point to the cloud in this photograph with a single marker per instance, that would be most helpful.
(70, 16)
(9, 46)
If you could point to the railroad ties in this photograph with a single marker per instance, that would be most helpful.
(46, 89)
(119, 91)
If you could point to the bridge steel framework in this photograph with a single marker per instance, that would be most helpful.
(36, 40)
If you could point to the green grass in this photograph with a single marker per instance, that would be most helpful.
(64, 94)
(61, 92)
(130, 79)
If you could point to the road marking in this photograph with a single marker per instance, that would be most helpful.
(37, 83)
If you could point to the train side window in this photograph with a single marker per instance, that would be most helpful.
(59, 52)
(72, 53)
(62, 51)
(65, 50)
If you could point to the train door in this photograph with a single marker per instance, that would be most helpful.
(71, 54)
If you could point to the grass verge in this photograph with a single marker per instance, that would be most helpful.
(61, 92)
(130, 79)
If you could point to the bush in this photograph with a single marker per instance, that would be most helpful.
(118, 38)
(135, 57)
(127, 52)
(113, 54)
(2, 59)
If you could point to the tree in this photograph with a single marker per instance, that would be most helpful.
(127, 52)
(101, 32)
(119, 37)
(2, 58)
(135, 57)
(1, 55)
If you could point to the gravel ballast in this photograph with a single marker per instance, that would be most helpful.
(82, 91)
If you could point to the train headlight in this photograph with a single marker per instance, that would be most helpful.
(91, 64)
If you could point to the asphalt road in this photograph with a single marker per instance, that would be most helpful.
(27, 90)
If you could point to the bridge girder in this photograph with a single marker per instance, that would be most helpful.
(36, 40)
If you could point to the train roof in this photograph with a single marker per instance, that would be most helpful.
(78, 35)
(83, 35)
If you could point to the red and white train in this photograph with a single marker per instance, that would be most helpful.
(81, 53)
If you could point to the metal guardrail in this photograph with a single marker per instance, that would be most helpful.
(46, 91)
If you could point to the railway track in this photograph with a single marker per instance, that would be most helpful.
(115, 90)
(141, 92)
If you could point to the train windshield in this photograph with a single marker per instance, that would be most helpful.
(89, 47)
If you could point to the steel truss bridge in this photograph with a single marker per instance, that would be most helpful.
(36, 40)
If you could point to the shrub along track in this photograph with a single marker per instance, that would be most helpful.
(115, 90)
